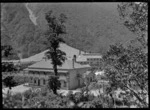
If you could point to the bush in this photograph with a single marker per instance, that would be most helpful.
(9, 82)
(12, 101)
(19, 80)
(54, 84)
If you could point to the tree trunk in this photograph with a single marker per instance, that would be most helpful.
(9, 91)
(9, 88)
(56, 73)
(113, 100)
(55, 69)
(55, 91)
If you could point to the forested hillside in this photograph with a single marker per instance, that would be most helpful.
(19, 31)
(90, 27)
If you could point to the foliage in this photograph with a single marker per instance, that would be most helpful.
(27, 37)
(19, 79)
(135, 17)
(19, 31)
(12, 101)
(54, 83)
(47, 100)
(127, 69)
(82, 100)
(56, 27)
(8, 67)
(32, 99)
(6, 50)
(130, 65)
(9, 82)
(94, 86)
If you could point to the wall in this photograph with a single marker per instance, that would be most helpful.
(73, 81)
(34, 78)
(63, 79)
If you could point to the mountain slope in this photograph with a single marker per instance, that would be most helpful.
(90, 26)
(22, 33)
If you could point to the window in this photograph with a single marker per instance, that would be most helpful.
(38, 82)
(43, 81)
(34, 80)
(31, 79)
(65, 84)
(90, 79)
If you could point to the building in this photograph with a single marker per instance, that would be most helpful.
(38, 74)
(94, 60)
(70, 51)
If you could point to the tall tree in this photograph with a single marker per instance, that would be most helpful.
(127, 68)
(56, 28)
(135, 17)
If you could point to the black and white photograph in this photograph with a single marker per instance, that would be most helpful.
(74, 55)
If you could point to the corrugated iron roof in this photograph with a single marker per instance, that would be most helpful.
(70, 51)
(68, 64)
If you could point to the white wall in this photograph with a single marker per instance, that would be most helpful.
(40, 76)
(73, 81)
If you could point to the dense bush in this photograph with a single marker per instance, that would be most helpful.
(47, 99)
(14, 101)
(19, 80)
(8, 67)
(9, 82)
(53, 84)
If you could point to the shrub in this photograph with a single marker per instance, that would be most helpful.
(19, 80)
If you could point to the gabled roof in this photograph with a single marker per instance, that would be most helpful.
(70, 51)
(46, 64)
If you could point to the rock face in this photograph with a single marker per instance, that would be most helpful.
(31, 15)
(91, 27)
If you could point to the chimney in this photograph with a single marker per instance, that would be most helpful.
(73, 63)
(74, 57)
